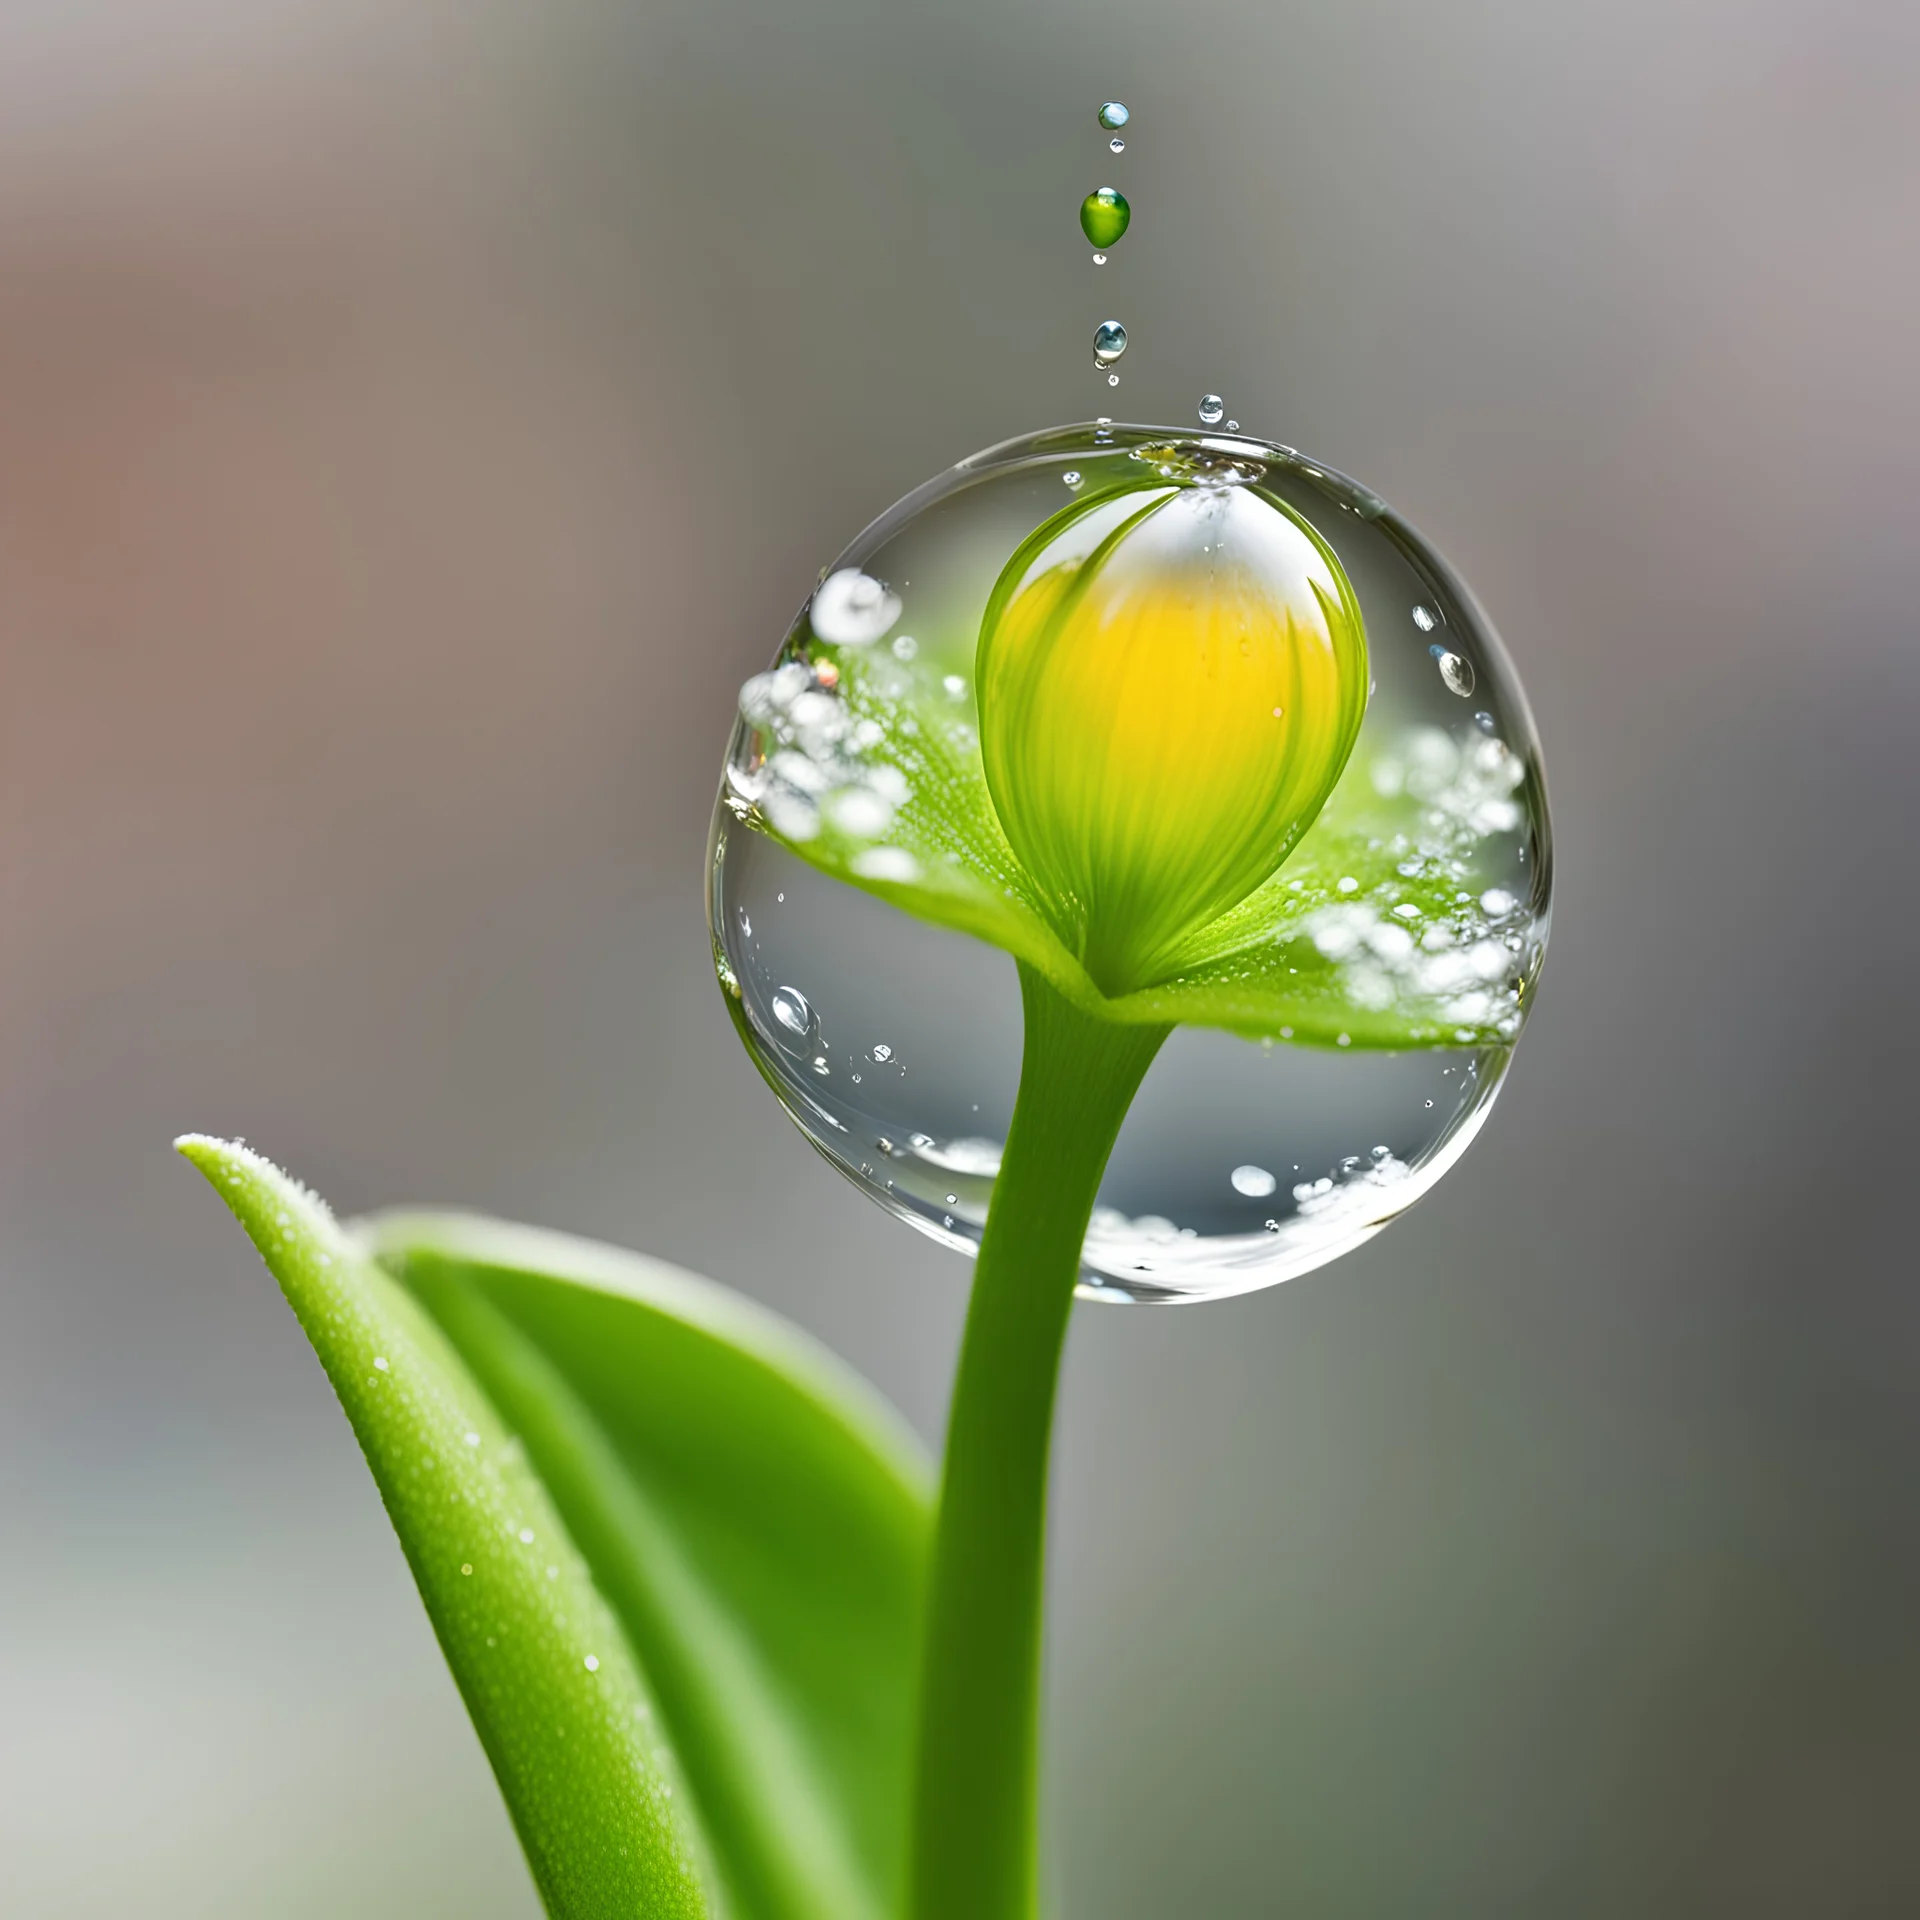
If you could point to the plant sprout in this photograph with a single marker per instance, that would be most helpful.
(1222, 758)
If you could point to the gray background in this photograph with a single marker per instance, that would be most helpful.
(415, 422)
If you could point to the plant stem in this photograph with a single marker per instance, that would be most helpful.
(974, 1851)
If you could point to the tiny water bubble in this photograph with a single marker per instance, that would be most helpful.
(905, 646)
(1457, 671)
(1113, 113)
(1255, 1182)
(793, 1010)
(1212, 409)
(1423, 618)
(1485, 722)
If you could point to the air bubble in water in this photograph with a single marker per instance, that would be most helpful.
(1212, 409)
(1424, 620)
(1113, 115)
(1109, 341)
(1104, 215)
(1458, 815)
(1457, 671)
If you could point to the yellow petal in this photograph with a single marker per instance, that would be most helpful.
(1170, 682)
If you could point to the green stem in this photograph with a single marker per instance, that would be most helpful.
(974, 1853)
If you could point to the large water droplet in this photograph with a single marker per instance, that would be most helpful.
(1465, 832)
(1457, 671)
(1114, 114)
(1109, 341)
(1104, 215)
(1212, 409)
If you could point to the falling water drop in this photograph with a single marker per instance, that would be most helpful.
(1114, 114)
(1072, 478)
(1212, 409)
(1099, 259)
(1104, 215)
(1116, 145)
(1113, 379)
(1109, 341)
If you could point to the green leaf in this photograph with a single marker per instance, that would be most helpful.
(752, 1518)
(559, 1701)
(756, 1515)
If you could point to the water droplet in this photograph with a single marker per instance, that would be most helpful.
(1113, 379)
(1457, 672)
(1255, 1182)
(1212, 409)
(1485, 722)
(1114, 114)
(1099, 259)
(1423, 618)
(793, 1010)
(591, 1663)
(1109, 341)
(905, 646)
(1072, 478)
(1233, 426)
(1104, 215)
(1116, 145)
(882, 1052)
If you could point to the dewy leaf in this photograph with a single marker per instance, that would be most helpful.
(756, 1515)
(559, 1701)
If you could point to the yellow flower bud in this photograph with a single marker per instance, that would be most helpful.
(1170, 682)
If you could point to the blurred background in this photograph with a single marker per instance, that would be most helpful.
(416, 422)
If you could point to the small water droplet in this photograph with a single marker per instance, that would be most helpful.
(1113, 379)
(1233, 426)
(1117, 145)
(1109, 341)
(1457, 672)
(1423, 618)
(591, 1663)
(1212, 409)
(1072, 478)
(1255, 1182)
(1113, 113)
(1104, 216)
(1099, 259)
(905, 646)
(792, 1009)
(882, 1052)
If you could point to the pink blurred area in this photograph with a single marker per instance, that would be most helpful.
(415, 423)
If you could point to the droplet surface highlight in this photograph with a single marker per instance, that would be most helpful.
(1105, 216)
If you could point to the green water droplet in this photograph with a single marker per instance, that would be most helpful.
(1104, 215)
(1114, 115)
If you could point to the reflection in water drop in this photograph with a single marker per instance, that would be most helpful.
(1109, 341)
(1212, 409)
(1255, 1182)
(1113, 114)
(1437, 829)
(1457, 672)
(1104, 215)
